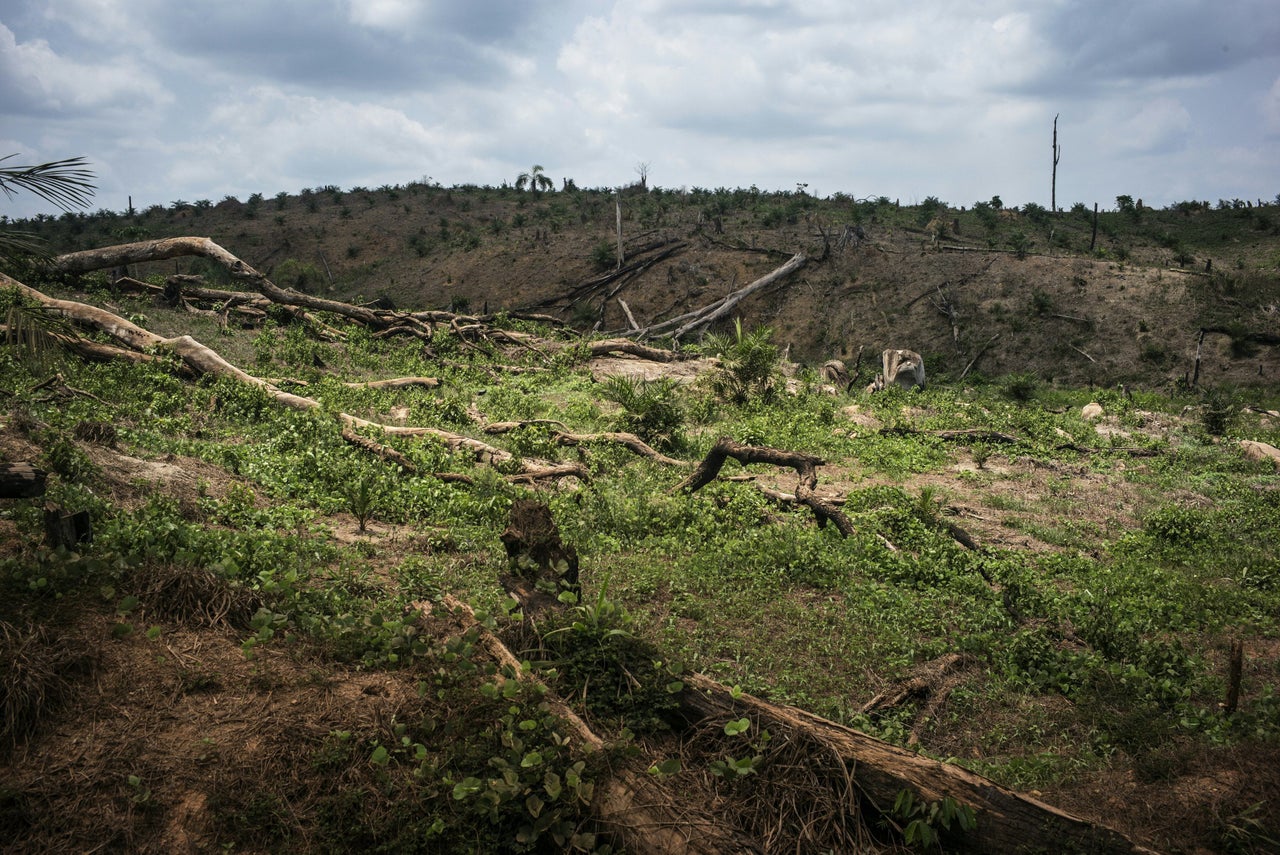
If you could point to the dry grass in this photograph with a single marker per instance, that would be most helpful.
(190, 596)
(39, 669)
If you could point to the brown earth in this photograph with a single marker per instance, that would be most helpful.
(147, 740)
(1124, 306)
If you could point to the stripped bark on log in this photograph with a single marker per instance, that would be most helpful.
(1007, 823)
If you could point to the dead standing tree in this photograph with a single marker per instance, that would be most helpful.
(1057, 152)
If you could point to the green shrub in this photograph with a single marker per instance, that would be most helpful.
(651, 409)
(748, 364)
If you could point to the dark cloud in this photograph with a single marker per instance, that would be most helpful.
(311, 44)
(1104, 39)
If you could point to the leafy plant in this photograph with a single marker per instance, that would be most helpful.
(651, 409)
(748, 367)
(38, 334)
(1219, 412)
(1020, 244)
(921, 822)
(1020, 387)
(66, 183)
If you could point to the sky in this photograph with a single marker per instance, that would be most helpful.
(1162, 100)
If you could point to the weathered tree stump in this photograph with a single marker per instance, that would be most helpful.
(67, 530)
(534, 547)
(21, 481)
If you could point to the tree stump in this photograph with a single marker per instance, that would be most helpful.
(67, 530)
(21, 481)
(534, 548)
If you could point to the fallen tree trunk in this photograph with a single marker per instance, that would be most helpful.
(629, 440)
(632, 348)
(1007, 822)
(867, 773)
(720, 308)
(160, 250)
(397, 383)
(204, 360)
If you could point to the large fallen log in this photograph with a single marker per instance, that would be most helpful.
(867, 776)
(683, 324)
(177, 247)
(1007, 822)
(202, 360)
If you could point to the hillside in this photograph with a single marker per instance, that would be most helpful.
(1021, 288)
(293, 627)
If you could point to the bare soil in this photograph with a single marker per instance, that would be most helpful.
(148, 744)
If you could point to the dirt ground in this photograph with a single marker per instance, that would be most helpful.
(147, 741)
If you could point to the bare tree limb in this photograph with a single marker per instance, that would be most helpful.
(806, 466)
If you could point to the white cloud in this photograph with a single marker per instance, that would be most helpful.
(39, 80)
(1159, 125)
(955, 99)
(389, 15)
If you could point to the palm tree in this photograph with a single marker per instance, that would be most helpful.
(534, 179)
(65, 183)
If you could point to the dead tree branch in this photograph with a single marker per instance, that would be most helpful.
(805, 465)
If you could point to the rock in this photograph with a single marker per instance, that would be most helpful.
(861, 418)
(1255, 450)
(1091, 412)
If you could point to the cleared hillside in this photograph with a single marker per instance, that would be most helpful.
(1024, 291)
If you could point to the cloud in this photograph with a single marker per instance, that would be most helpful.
(1159, 125)
(1271, 108)
(269, 138)
(955, 99)
(1101, 40)
(36, 81)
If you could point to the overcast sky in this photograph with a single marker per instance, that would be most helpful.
(1162, 100)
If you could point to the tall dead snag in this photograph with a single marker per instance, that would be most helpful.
(806, 466)
(1053, 184)
(1007, 822)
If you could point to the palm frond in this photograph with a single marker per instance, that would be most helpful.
(66, 183)
(38, 334)
(15, 243)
